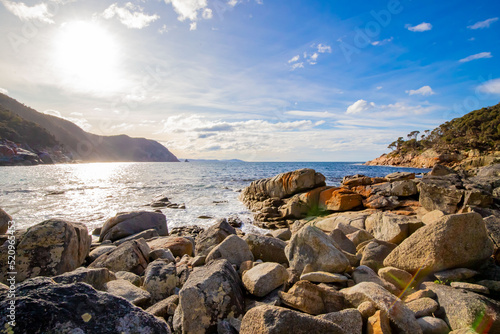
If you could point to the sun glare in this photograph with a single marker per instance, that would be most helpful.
(86, 56)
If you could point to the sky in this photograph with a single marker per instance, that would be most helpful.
(258, 80)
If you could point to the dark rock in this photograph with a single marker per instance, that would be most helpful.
(268, 249)
(132, 256)
(213, 236)
(129, 223)
(96, 277)
(4, 221)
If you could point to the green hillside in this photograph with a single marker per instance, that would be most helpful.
(19, 130)
(477, 130)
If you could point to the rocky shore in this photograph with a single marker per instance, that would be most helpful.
(394, 254)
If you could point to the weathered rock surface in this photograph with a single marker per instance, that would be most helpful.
(400, 278)
(128, 223)
(128, 276)
(396, 310)
(312, 250)
(160, 280)
(391, 227)
(50, 248)
(96, 277)
(470, 287)
(98, 251)
(4, 221)
(444, 245)
(457, 274)
(147, 234)
(339, 199)
(432, 325)
(211, 293)
(464, 309)
(264, 278)
(278, 320)
(312, 298)
(342, 242)
(349, 320)
(213, 236)
(179, 246)
(43, 306)
(265, 248)
(233, 248)
(440, 193)
(130, 292)
(379, 323)
(375, 252)
(423, 307)
(323, 277)
(131, 256)
(165, 308)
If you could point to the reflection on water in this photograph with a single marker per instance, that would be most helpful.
(90, 193)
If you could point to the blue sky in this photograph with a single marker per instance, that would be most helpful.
(257, 80)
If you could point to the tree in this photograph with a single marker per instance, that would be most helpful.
(392, 145)
(413, 135)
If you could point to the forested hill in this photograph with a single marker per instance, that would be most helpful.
(472, 139)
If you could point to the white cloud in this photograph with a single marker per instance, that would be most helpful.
(294, 59)
(193, 26)
(424, 26)
(297, 65)
(4, 91)
(424, 91)
(232, 3)
(483, 24)
(188, 9)
(52, 113)
(38, 12)
(382, 42)
(163, 29)
(324, 48)
(207, 13)
(491, 87)
(310, 114)
(379, 87)
(313, 59)
(476, 56)
(359, 106)
(130, 15)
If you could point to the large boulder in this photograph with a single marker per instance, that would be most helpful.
(440, 193)
(48, 249)
(397, 311)
(283, 185)
(97, 277)
(268, 249)
(211, 293)
(179, 246)
(4, 221)
(131, 256)
(391, 227)
(278, 320)
(339, 199)
(454, 241)
(375, 252)
(233, 248)
(160, 279)
(264, 278)
(350, 320)
(310, 249)
(213, 236)
(43, 306)
(125, 224)
(125, 289)
(465, 309)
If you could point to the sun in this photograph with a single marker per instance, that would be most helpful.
(86, 57)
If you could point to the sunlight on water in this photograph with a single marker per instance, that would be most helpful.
(91, 193)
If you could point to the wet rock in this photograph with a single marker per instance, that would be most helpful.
(423, 307)
(444, 245)
(50, 248)
(275, 320)
(131, 256)
(95, 277)
(349, 320)
(264, 278)
(432, 325)
(125, 289)
(313, 299)
(396, 310)
(312, 250)
(233, 248)
(129, 223)
(179, 246)
(43, 306)
(211, 293)
(213, 236)
(160, 280)
(465, 309)
(268, 249)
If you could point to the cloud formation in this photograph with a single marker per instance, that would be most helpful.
(424, 91)
(4, 91)
(483, 24)
(131, 16)
(424, 26)
(476, 56)
(359, 106)
(324, 48)
(38, 12)
(491, 87)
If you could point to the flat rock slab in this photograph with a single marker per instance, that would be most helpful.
(127, 290)
(470, 287)
(323, 277)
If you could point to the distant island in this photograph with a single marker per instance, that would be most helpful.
(29, 137)
(211, 160)
(472, 140)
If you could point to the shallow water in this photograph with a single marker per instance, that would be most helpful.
(91, 193)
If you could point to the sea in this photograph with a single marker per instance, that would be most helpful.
(91, 193)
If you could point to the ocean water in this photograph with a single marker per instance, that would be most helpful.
(91, 193)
